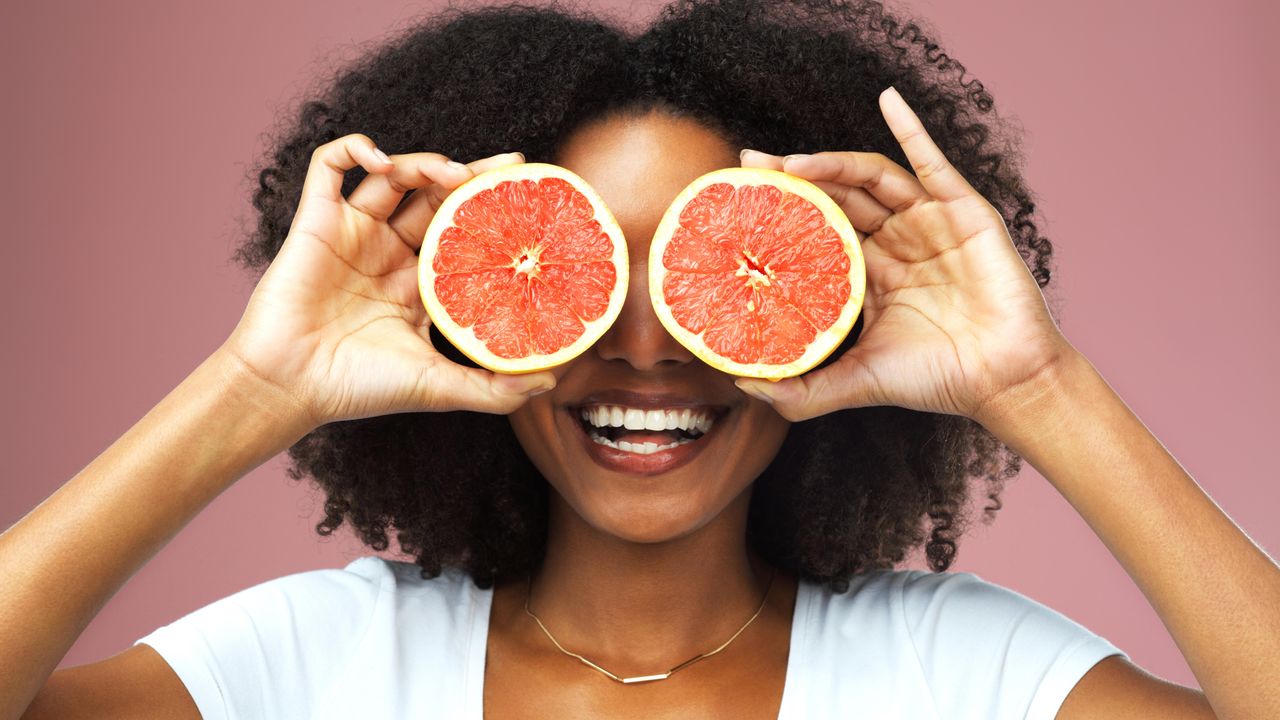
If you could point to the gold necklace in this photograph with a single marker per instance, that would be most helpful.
(646, 678)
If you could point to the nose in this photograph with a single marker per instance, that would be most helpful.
(637, 337)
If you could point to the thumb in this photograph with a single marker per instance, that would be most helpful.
(842, 385)
(523, 385)
(455, 387)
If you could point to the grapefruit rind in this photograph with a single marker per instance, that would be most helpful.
(826, 341)
(464, 338)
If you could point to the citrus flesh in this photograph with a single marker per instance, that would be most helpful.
(523, 267)
(757, 272)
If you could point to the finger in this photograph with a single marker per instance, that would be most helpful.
(480, 390)
(493, 162)
(843, 384)
(411, 220)
(890, 184)
(378, 195)
(331, 161)
(758, 159)
(865, 212)
(936, 173)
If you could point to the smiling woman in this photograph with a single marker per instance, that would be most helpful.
(634, 533)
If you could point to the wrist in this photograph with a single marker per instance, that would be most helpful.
(1037, 400)
(282, 416)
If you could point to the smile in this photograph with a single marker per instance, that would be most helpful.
(645, 431)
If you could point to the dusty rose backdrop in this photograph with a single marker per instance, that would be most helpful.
(129, 127)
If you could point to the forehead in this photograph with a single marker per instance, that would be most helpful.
(640, 162)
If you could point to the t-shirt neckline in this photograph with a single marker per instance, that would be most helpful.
(793, 688)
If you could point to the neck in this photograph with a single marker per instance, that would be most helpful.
(640, 608)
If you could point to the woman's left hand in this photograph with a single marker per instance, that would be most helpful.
(953, 319)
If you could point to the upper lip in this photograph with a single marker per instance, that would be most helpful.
(645, 400)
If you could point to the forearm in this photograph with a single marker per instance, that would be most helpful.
(68, 556)
(1215, 590)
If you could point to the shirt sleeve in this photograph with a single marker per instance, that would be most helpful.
(990, 652)
(268, 650)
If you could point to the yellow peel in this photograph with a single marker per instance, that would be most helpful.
(464, 338)
(827, 340)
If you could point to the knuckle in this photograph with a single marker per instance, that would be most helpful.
(848, 161)
(340, 145)
(932, 167)
(917, 133)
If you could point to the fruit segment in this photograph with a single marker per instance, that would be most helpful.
(760, 272)
(757, 272)
(523, 267)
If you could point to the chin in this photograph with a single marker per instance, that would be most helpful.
(646, 458)
(659, 510)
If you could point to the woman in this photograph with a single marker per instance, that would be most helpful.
(755, 573)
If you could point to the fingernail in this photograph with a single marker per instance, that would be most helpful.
(382, 156)
(742, 156)
(539, 391)
(456, 164)
(753, 390)
(519, 155)
(797, 156)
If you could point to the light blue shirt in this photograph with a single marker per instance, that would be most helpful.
(375, 640)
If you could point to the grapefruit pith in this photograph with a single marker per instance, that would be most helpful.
(523, 267)
(757, 272)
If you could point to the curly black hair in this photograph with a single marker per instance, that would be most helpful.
(849, 491)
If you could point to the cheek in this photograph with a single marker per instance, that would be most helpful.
(534, 426)
(764, 433)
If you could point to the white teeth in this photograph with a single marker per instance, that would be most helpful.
(603, 416)
(644, 448)
(633, 419)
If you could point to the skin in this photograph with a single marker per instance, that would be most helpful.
(954, 323)
(644, 573)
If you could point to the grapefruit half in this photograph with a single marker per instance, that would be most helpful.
(523, 267)
(757, 272)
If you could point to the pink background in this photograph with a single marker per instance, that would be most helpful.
(129, 128)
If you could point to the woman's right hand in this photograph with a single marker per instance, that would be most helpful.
(337, 322)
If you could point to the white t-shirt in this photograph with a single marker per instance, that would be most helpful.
(374, 640)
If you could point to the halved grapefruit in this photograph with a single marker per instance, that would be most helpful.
(757, 272)
(523, 267)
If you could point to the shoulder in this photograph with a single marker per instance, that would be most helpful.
(274, 647)
(367, 590)
(975, 646)
(340, 592)
(918, 599)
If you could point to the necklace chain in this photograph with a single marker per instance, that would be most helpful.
(646, 678)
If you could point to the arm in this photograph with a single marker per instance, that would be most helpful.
(333, 331)
(68, 556)
(956, 324)
(1171, 538)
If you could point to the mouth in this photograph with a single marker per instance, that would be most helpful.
(645, 435)
(642, 431)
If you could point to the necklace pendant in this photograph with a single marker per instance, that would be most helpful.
(646, 678)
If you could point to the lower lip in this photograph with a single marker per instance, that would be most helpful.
(637, 464)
